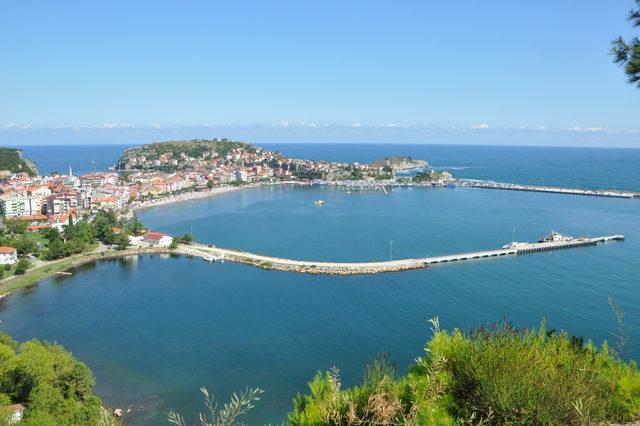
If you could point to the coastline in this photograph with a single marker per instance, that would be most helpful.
(197, 195)
(35, 275)
(188, 196)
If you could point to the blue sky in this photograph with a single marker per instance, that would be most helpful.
(331, 71)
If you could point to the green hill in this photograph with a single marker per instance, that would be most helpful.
(182, 153)
(11, 160)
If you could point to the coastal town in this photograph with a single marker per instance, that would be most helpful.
(179, 171)
(42, 215)
(58, 216)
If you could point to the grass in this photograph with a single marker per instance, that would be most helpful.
(32, 276)
(492, 375)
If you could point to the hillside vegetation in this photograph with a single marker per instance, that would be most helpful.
(54, 387)
(181, 151)
(11, 160)
(498, 375)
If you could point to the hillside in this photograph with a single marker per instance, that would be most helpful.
(177, 155)
(11, 160)
(398, 163)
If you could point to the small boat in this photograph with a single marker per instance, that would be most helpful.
(209, 259)
(318, 202)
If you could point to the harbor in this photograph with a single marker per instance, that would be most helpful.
(555, 241)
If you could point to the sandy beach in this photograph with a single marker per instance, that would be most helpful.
(195, 195)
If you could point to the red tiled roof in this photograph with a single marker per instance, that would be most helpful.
(155, 236)
(30, 218)
(7, 250)
(38, 227)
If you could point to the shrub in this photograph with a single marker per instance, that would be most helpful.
(491, 375)
(22, 266)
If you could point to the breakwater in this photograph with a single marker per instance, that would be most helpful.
(549, 189)
(212, 253)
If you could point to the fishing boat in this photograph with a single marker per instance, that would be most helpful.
(318, 202)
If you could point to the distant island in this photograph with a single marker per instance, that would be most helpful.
(11, 161)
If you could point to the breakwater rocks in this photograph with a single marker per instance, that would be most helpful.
(549, 189)
(212, 254)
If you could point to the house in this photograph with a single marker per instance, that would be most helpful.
(15, 411)
(157, 239)
(8, 255)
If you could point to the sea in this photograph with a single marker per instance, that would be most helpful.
(155, 329)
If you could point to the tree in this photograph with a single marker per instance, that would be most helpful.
(103, 223)
(136, 227)
(25, 246)
(51, 234)
(210, 184)
(627, 53)
(16, 227)
(121, 241)
(56, 250)
(56, 388)
(22, 266)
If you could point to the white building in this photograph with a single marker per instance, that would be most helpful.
(157, 239)
(8, 256)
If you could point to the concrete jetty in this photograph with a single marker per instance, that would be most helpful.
(212, 253)
(485, 184)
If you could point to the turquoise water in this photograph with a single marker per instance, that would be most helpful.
(155, 329)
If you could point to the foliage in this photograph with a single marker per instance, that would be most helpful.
(178, 150)
(11, 159)
(56, 249)
(103, 223)
(54, 387)
(226, 416)
(22, 266)
(16, 227)
(430, 177)
(121, 241)
(135, 227)
(492, 375)
(183, 239)
(627, 53)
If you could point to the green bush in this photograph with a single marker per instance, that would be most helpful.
(55, 388)
(493, 375)
(22, 266)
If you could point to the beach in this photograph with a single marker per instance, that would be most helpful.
(195, 195)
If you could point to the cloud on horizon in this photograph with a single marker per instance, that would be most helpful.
(319, 132)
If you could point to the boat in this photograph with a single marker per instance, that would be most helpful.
(209, 259)
(318, 202)
(555, 237)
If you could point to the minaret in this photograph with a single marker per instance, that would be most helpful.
(70, 171)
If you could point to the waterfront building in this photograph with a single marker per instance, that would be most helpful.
(8, 255)
(157, 239)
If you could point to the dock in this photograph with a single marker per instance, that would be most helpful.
(554, 242)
